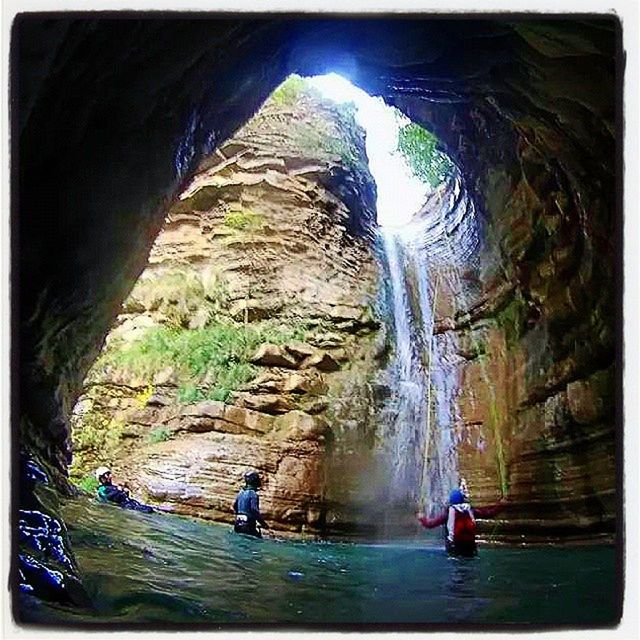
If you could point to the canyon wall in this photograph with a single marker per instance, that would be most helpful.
(252, 324)
(111, 117)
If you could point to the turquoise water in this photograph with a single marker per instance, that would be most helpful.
(142, 568)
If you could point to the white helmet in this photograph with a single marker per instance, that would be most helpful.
(100, 471)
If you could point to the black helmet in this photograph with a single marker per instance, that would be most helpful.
(252, 479)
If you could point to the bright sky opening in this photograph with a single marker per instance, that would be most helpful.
(400, 192)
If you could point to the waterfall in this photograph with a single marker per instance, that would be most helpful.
(418, 419)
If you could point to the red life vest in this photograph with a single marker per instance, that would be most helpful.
(464, 529)
(461, 525)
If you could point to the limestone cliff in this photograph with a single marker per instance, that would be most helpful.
(527, 321)
(255, 308)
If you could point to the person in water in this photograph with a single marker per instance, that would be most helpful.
(247, 507)
(460, 521)
(117, 494)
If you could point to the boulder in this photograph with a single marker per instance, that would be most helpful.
(300, 350)
(250, 420)
(304, 382)
(270, 381)
(158, 400)
(207, 408)
(271, 355)
(298, 425)
(265, 403)
(322, 361)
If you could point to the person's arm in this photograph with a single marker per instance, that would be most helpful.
(255, 508)
(487, 512)
(114, 494)
(430, 523)
(124, 487)
(235, 505)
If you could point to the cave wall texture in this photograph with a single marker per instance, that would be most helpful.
(112, 115)
(262, 282)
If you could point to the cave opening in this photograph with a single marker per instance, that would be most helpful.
(322, 325)
(198, 326)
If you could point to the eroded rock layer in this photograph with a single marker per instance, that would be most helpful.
(111, 116)
(259, 294)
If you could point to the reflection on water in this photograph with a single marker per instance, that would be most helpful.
(161, 568)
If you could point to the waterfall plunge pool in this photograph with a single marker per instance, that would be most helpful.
(163, 569)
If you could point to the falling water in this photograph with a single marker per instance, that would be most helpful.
(418, 419)
(419, 463)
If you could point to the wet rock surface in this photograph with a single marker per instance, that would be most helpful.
(112, 116)
(261, 259)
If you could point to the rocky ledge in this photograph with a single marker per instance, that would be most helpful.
(256, 308)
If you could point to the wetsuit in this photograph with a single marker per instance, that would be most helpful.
(460, 526)
(115, 495)
(247, 509)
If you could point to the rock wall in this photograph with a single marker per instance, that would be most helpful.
(533, 314)
(255, 307)
(109, 117)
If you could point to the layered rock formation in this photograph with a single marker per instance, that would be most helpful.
(259, 294)
(531, 315)
(111, 116)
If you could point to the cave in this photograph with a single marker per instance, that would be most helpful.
(115, 119)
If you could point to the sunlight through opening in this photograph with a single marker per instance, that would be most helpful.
(400, 192)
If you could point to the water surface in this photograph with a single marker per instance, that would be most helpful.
(160, 568)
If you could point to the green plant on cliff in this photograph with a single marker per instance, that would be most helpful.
(189, 393)
(95, 431)
(210, 362)
(161, 434)
(96, 439)
(419, 147)
(319, 127)
(176, 293)
(145, 395)
(87, 483)
(243, 220)
(512, 319)
(291, 90)
(318, 138)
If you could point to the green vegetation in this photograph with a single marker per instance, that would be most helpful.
(212, 362)
(189, 393)
(161, 434)
(291, 90)
(87, 483)
(322, 127)
(419, 149)
(144, 396)
(98, 433)
(511, 319)
(177, 294)
(96, 438)
(243, 220)
(318, 138)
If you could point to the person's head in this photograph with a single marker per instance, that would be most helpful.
(252, 479)
(457, 497)
(103, 475)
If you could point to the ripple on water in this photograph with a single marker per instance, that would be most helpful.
(164, 568)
